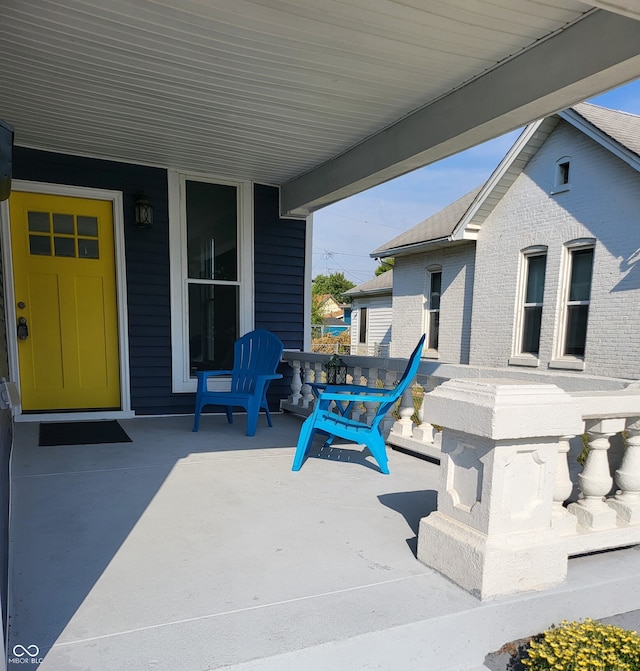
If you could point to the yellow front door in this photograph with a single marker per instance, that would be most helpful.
(65, 302)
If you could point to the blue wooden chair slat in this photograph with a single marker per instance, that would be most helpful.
(341, 426)
(255, 358)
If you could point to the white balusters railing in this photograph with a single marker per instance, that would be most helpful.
(507, 495)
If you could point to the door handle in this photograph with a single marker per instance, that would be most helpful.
(23, 329)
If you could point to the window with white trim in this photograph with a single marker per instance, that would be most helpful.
(434, 289)
(211, 250)
(535, 265)
(577, 300)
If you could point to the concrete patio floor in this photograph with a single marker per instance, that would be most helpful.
(204, 551)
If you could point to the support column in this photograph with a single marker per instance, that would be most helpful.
(492, 531)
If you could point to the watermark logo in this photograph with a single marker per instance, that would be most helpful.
(22, 654)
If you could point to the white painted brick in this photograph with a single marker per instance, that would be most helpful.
(409, 286)
(603, 203)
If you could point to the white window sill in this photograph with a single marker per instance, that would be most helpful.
(561, 189)
(430, 354)
(524, 360)
(570, 363)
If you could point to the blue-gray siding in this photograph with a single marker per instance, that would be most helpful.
(279, 277)
(279, 268)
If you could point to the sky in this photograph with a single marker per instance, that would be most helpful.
(346, 232)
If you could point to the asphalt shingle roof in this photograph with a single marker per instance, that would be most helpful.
(623, 127)
(383, 283)
(438, 226)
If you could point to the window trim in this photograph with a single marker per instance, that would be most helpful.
(518, 357)
(431, 352)
(559, 185)
(181, 382)
(562, 360)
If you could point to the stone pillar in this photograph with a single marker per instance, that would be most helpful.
(492, 531)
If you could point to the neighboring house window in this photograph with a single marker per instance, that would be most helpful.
(362, 327)
(536, 265)
(578, 297)
(563, 173)
(434, 289)
(211, 274)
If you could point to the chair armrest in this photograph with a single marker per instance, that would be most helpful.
(377, 397)
(350, 389)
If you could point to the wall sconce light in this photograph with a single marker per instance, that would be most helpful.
(144, 211)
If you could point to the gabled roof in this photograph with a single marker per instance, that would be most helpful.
(618, 132)
(380, 285)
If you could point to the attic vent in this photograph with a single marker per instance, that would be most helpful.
(561, 181)
(563, 173)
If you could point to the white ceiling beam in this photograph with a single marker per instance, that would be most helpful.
(593, 55)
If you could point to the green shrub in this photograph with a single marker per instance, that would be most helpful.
(584, 646)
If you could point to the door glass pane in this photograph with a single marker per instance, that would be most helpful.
(64, 246)
(88, 249)
(63, 223)
(40, 245)
(38, 222)
(535, 279)
(213, 326)
(88, 226)
(581, 267)
(212, 231)
(576, 329)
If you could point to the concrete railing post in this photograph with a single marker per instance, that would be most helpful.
(492, 532)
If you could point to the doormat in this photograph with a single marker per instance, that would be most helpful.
(81, 433)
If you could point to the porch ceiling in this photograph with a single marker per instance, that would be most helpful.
(323, 97)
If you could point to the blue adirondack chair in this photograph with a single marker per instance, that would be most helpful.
(340, 425)
(255, 359)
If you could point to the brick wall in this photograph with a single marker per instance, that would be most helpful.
(603, 202)
(409, 286)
